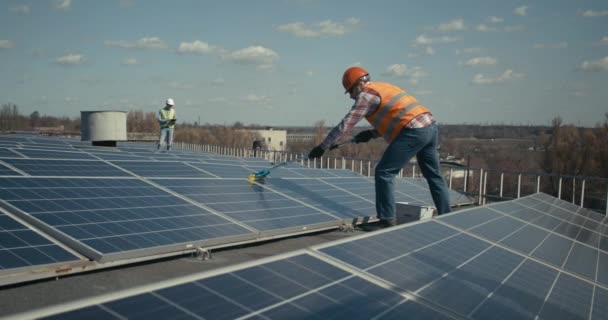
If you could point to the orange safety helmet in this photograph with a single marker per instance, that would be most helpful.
(351, 75)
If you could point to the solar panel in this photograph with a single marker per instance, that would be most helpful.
(117, 156)
(161, 169)
(22, 248)
(50, 154)
(70, 168)
(544, 231)
(224, 170)
(251, 204)
(472, 277)
(326, 197)
(6, 171)
(113, 218)
(7, 153)
(299, 286)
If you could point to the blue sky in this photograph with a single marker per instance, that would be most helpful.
(280, 62)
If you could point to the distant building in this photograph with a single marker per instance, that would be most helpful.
(300, 137)
(275, 140)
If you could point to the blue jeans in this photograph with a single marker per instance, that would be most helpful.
(419, 142)
(166, 135)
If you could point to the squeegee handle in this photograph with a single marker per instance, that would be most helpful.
(336, 146)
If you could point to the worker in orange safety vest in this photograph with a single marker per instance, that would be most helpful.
(407, 126)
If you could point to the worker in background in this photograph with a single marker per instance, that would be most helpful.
(408, 127)
(166, 119)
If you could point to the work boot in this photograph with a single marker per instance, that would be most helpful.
(380, 224)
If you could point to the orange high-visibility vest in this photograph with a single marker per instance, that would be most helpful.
(396, 109)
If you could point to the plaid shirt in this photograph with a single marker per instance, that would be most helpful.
(367, 103)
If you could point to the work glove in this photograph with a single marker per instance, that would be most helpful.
(316, 152)
(364, 136)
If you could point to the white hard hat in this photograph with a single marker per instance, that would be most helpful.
(170, 102)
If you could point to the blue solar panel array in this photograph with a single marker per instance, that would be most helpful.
(251, 204)
(20, 247)
(546, 229)
(472, 277)
(115, 218)
(110, 204)
(445, 268)
(296, 287)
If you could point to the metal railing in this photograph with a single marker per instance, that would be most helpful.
(483, 184)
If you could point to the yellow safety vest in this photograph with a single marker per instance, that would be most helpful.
(167, 115)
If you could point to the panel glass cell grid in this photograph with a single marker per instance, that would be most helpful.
(248, 203)
(469, 276)
(538, 234)
(114, 215)
(224, 170)
(20, 247)
(418, 189)
(7, 153)
(299, 287)
(325, 196)
(50, 154)
(71, 168)
(6, 171)
(363, 187)
(160, 169)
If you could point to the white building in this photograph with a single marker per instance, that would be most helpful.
(275, 140)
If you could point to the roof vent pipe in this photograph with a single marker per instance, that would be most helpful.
(103, 128)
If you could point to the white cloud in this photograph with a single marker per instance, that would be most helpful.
(145, 43)
(255, 55)
(469, 51)
(21, 9)
(198, 47)
(596, 65)
(480, 62)
(592, 13)
(454, 25)
(70, 100)
(424, 40)
(396, 70)
(325, 28)
(559, 45)
(521, 11)
(604, 41)
(485, 28)
(429, 51)
(257, 99)
(71, 60)
(62, 5)
(494, 19)
(413, 75)
(6, 44)
(130, 62)
(508, 75)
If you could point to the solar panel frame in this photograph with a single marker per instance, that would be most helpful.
(322, 195)
(34, 252)
(76, 243)
(298, 285)
(270, 226)
(65, 168)
(437, 258)
(543, 237)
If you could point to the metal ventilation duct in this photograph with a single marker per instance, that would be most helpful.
(103, 128)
